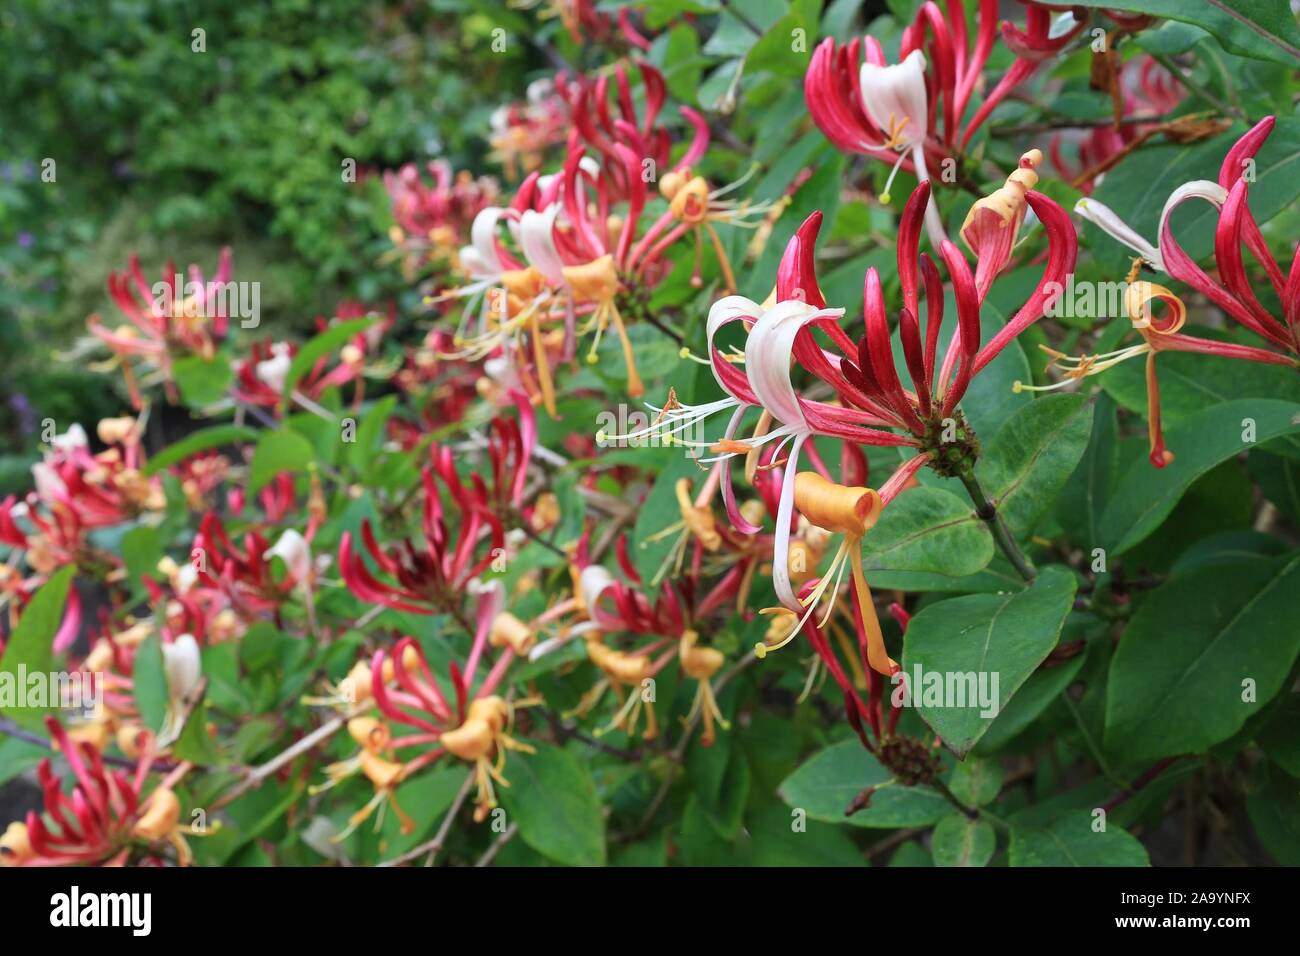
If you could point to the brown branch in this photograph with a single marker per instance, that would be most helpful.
(432, 847)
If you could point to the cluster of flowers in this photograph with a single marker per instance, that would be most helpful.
(541, 273)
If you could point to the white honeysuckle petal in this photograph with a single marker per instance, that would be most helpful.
(539, 90)
(593, 582)
(186, 577)
(728, 309)
(1105, 219)
(897, 92)
(1062, 25)
(1211, 192)
(293, 550)
(768, 351)
(482, 236)
(781, 547)
(933, 224)
(472, 262)
(75, 437)
(537, 238)
(48, 483)
(275, 371)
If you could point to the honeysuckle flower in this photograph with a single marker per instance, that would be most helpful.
(523, 132)
(895, 99)
(598, 128)
(1232, 292)
(870, 394)
(428, 577)
(631, 639)
(916, 107)
(701, 664)
(434, 221)
(106, 816)
(839, 510)
(99, 489)
(242, 575)
(471, 723)
(111, 663)
(49, 539)
(162, 329)
(510, 451)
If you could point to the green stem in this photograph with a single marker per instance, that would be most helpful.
(1091, 744)
(988, 513)
(1195, 87)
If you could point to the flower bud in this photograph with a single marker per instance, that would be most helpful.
(836, 508)
(15, 846)
(117, 431)
(161, 818)
(509, 631)
(471, 741)
(182, 666)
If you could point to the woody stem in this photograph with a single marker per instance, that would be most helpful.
(988, 513)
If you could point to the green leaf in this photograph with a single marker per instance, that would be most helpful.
(149, 682)
(831, 779)
(201, 440)
(1262, 29)
(990, 400)
(976, 782)
(203, 382)
(720, 779)
(821, 192)
(1084, 497)
(961, 841)
(195, 743)
(1274, 810)
(660, 511)
(1072, 841)
(141, 550)
(1032, 456)
(1147, 494)
(1278, 737)
(31, 645)
(278, 451)
(18, 756)
(334, 337)
(1044, 686)
(928, 529)
(1178, 679)
(425, 799)
(781, 838)
(984, 645)
(370, 435)
(552, 798)
(682, 64)
(777, 50)
(1279, 479)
